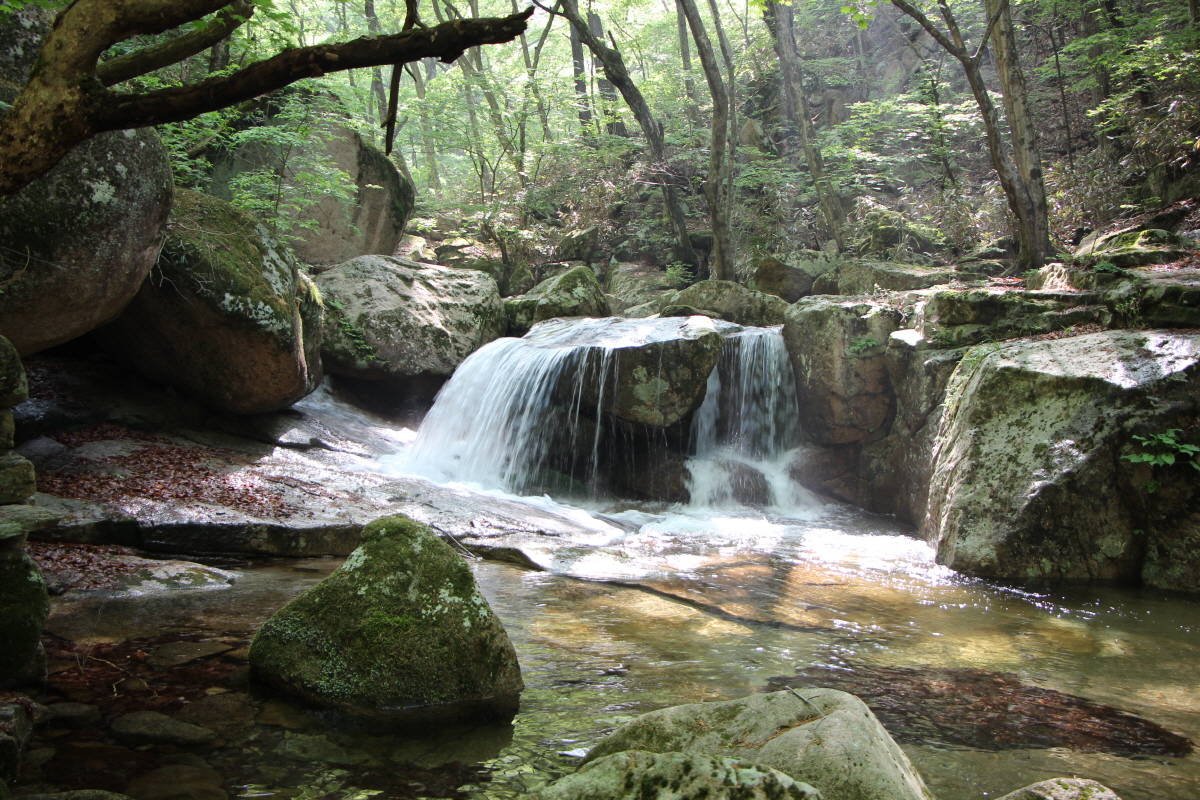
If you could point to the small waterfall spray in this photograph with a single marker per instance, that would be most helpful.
(530, 415)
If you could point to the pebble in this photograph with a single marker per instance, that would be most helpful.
(151, 727)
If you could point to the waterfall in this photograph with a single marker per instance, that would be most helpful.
(745, 432)
(530, 415)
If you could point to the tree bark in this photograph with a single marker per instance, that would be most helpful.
(431, 165)
(615, 71)
(685, 55)
(613, 125)
(64, 102)
(1026, 202)
(579, 69)
(716, 186)
(797, 108)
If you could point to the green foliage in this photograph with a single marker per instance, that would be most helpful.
(1107, 266)
(862, 344)
(1163, 450)
(679, 275)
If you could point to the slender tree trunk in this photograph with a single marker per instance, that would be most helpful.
(613, 125)
(616, 71)
(1026, 152)
(797, 108)
(1062, 88)
(431, 164)
(685, 53)
(716, 186)
(531, 67)
(579, 69)
(731, 126)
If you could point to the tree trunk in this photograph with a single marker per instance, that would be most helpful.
(63, 104)
(716, 186)
(615, 71)
(613, 125)
(431, 164)
(797, 108)
(685, 54)
(531, 66)
(579, 69)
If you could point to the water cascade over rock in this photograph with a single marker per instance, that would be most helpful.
(673, 409)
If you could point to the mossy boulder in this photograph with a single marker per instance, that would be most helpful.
(1031, 479)
(842, 383)
(731, 302)
(579, 245)
(398, 632)
(679, 776)
(823, 737)
(79, 241)
(390, 318)
(863, 276)
(637, 284)
(14, 387)
(883, 231)
(225, 317)
(16, 477)
(24, 606)
(1063, 789)
(1135, 248)
(573, 293)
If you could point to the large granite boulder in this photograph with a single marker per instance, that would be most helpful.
(79, 241)
(1032, 470)
(573, 293)
(336, 229)
(790, 276)
(863, 276)
(730, 301)
(636, 284)
(393, 318)
(1063, 789)
(225, 317)
(842, 383)
(823, 737)
(398, 632)
(686, 776)
(1135, 248)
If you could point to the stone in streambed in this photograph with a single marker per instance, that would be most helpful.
(731, 302)
(826, 738)
(178, 782)
(676, 776)
(173, 654)
(398, 633)
(1064, 789)
(24, 606)
(151, 727)
(574, 293)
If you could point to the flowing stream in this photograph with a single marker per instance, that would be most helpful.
(987, 687)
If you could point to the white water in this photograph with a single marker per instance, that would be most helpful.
(519, 410)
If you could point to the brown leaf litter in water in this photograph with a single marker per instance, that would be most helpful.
(117, 678)
(82, 567)
(989, 711)
(162, 471)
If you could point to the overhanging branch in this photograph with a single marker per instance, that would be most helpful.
(446, 42)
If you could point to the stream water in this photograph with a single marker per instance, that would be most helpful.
(988, 687)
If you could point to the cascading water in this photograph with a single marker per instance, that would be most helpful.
(535, 415)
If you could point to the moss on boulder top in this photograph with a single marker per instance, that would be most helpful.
(226, 316)
(732, 302)
(574, 293)
(399, 631)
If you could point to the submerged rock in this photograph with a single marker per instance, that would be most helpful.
(1031, 475)
(151, 727)
(24, 606)
(399, 632)
(226, 317)
(574, 293)
(1064, 789)
(636, 775)
(826, 738)
(396, 319)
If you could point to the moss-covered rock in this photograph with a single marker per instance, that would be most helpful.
(225, 317)
(637, 284)
(837, 351)
(399, 631)
(732, 302)
(883, 231)
(1135, 248)
(16, 478)
(1063, 789)
(397, 319)
(14, 387)
(826, 738)
(24, 606)
(578, 245)
(680, 776)
(573, 293)
(862, 276)
(1030, 479)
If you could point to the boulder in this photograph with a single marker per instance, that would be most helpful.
(1063, 789)
(883, 231)
(1135, 248)
(79, 241)
(861, 276)
(637, 284)
(1033, 428)
(226, 317)
(17, 480)
(24, 606)
(14, 387)
(961, 318)
(574, 293)
(837, 351)
(178, 782)
(16, 729)
(790, 277)
(519, 281)
(679, 776)
(578, 245)
(399, 631)
(823, 737)
(732, 301)
(393, 318)
(151, 727)
(335, 229)
(78, 794)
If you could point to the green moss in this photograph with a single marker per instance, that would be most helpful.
(24, 605)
